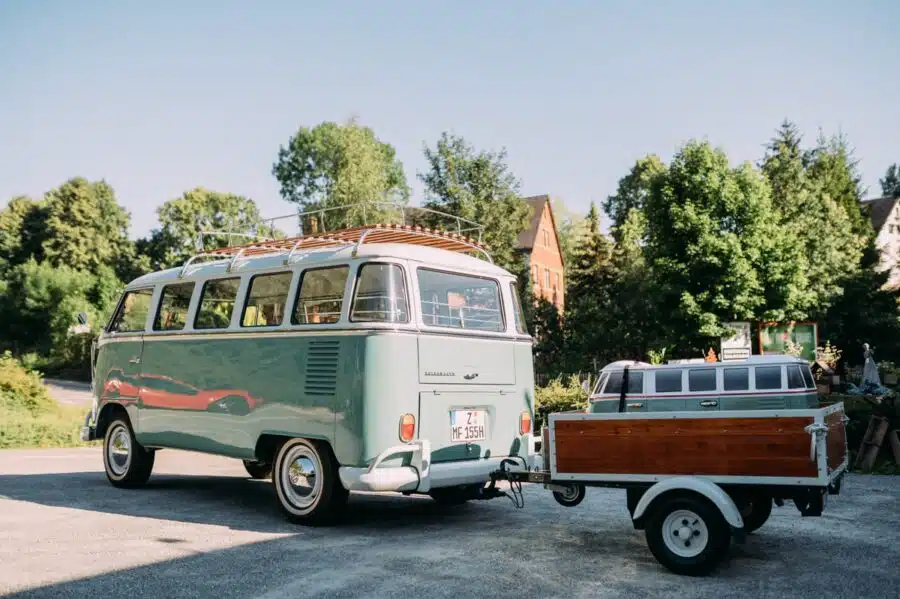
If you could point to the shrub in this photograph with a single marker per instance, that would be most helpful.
(558, 397)
(21, 388)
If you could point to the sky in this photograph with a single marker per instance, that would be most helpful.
(160, 97)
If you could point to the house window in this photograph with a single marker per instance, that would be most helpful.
(535, 277)
(546, 238)
(547, 278)
(557, 280)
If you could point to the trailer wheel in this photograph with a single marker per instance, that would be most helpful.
(687, 534)
(572, 496)
(755, 510)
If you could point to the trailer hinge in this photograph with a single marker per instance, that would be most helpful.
(814, 430)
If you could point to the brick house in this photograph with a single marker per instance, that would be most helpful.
(885, 215)
(540, 243)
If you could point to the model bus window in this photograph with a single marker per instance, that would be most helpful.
(460, 301)
(736, 379)
(598, 388)
(173, 307)
(702, 379)
(768, 377)
(794, 377)
(266, 300)
(321, 296)
(380, 295)
(668, 381)
(635, 383)
(808, 377)
(521, 326)
(132, 314)
(217, 303)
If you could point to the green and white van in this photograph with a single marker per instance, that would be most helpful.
(772, 382)
(381, 359)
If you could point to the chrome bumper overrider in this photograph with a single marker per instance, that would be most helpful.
(421, 475)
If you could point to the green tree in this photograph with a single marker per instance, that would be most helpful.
(571, 230)
(22, 231)
(835, 171)
(801, 196)
(890, 185)
(86, 228)
(716, 249)
(332, 165)
(633, 191)
(184, 219)
(477, 186)
(866, 312)
(550, 343)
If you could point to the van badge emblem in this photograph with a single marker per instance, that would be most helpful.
(433, 373)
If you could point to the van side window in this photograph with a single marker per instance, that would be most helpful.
(635, 383)
(132, 314)
(321, 296)
(380, 294)
(521, 325)
(460, 301)
(808, 377)
(795, 379)
(173, 307)
(598, 387)
(217, 303)
(668, 381)
(266, 299)
(768, 377)
(702, 379)
(736, 379)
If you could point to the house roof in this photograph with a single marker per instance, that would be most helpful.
(528, 237)
(879, 210)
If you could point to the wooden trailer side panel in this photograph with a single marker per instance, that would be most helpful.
(773, 446)
(835, 440)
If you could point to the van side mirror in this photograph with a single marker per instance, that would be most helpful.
(82, 317)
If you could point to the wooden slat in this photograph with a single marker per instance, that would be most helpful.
(710, 446)
(835, 440)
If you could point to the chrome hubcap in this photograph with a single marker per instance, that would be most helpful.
(570, 494)
(685, 533)
(119, 451)
(300, 473)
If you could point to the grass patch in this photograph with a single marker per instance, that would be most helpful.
(29, 416)
(22, 429)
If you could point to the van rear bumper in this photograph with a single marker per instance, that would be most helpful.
(421, 475)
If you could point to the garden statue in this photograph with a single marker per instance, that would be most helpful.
(870, 370)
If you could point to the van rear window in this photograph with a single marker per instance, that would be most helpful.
(380, 294)
(460, 301)
(635, 383)
(217, 303)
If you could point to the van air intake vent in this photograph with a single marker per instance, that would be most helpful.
(321, 368)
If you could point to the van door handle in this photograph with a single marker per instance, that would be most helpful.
(135, 360)
(636, 405)
(709, 403)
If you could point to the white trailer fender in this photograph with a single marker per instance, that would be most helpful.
(704, 487)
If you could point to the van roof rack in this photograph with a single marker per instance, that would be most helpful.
(353, 236)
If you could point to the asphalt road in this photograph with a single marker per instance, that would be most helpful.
(73, 393)
(202, 529)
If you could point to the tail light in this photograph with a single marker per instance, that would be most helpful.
(407, 427)
(525, 422)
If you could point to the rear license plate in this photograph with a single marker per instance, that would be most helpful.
(468, 425)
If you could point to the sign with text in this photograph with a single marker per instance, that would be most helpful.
(774, 338)
(736, 347)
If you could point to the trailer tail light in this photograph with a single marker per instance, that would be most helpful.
(525, 422)
(407, 427)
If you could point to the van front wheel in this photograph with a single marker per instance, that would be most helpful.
(307, 483)
(128, 465)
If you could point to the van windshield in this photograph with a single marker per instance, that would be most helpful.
(460, 301)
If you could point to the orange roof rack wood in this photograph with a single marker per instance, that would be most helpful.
(355, 236)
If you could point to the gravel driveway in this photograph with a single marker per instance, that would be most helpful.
(202, 529)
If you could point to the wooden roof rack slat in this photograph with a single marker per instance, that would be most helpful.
(353, 236)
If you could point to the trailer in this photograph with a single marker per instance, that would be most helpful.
(694, 481)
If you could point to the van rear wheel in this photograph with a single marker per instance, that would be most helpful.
(127, 463)
(305, 476)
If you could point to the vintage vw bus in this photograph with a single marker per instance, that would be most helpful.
(755, 383)
(372, 359)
